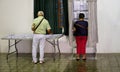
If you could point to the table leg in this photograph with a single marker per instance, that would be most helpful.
(58, 47)
(8, 48)
(10, 45)
(55, 43)
(54, 49)
(16, 48)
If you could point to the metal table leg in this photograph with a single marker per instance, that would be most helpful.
(16, 48)
(58, 47)
(9, 47)
(54, 50)
(53, 43)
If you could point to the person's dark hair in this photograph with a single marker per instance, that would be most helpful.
(81, 15)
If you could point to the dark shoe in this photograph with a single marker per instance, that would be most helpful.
(77, 59)
(84, 59)
(35, 62)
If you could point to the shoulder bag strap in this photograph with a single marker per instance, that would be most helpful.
(80, 26)
(39, 24)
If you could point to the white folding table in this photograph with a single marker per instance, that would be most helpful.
(53, 39)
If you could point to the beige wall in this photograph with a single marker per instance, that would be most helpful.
(16, 16)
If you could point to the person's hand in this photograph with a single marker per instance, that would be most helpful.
(49, 31)
(33, 27)
(74, 29)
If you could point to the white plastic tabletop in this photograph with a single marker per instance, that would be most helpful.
(29, 36)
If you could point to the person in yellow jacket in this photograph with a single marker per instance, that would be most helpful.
(39, 36)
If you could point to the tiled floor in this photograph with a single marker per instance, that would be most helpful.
(67, 63)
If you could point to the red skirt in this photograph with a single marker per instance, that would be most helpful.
(81, 44)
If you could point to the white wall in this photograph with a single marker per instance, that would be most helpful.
(16, 16)
(108, 26)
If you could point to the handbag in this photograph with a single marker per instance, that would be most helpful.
(33, 29)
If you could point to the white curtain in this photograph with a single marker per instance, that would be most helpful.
(70, 14)
(92, 20)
